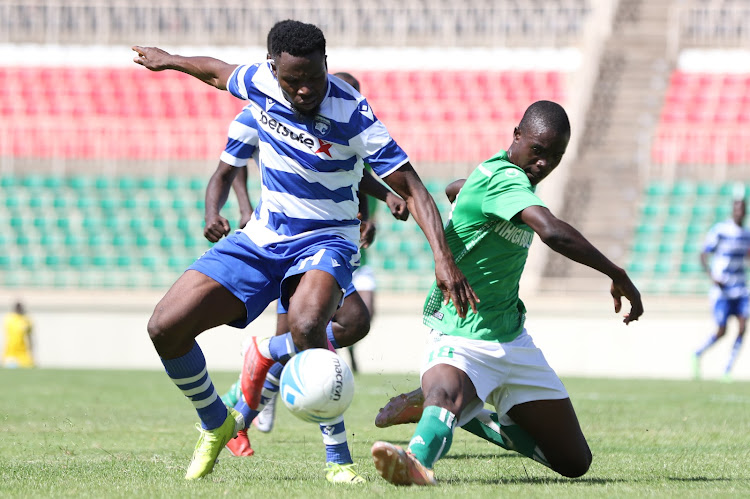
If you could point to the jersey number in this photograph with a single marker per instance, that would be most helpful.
(314, 260)
(444, 352)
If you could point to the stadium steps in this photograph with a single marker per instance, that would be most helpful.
(604, 184)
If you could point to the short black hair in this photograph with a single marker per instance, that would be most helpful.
(295, 38)
(349, 79)
(544, 115)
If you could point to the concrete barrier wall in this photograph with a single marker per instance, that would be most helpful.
(581, 336)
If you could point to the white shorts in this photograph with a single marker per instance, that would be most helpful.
(363, 279)
(504, 374)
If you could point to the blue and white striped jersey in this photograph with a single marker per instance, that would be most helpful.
(729, 245)
(242, 139)
(310, 168)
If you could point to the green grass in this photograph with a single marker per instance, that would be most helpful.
(130, 434)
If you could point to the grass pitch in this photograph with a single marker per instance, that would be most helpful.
(130, 434)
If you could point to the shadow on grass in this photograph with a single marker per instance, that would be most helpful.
(704, 479)
(583, 480)
(534, 481)
(482, 455)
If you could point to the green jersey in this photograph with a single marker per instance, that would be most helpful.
(490, 245)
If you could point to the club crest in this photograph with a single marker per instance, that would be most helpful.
(321, 126)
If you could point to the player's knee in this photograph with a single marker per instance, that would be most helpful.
(441, 398)
(309, 332)
(574, 466)
(159, 332)
(354, 330)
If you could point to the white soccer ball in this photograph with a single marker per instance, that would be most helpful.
(317, 385)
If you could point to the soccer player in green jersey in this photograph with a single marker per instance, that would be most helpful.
(488, 356)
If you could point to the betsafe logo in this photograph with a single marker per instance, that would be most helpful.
(314, 144)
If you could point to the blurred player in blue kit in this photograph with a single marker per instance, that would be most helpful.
(301, 244)
(729, 243)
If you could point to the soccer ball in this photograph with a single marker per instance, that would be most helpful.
(317, 385)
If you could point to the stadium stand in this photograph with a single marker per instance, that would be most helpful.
(673, 138)
(120, 231)
(122, 132)
(700, 153)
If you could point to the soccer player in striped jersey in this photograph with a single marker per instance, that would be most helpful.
(301, 244)
(351, 321)
(729, 243)
(488, 356)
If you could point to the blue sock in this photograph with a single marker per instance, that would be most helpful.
(706, 345)
(282, 348)
(190, 375)
(331, 338)
(334, 438)
(733, 355)
(270, 387)
(247, 413)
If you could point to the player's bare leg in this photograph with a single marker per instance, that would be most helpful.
(192, 305)
(448, 391)
(351, 322)
(313, 299)
(553, 426)
(367, 305)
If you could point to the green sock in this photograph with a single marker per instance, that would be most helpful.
(233, 395)
(510, 437)
(433, 436)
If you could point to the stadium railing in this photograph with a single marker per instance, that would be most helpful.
(699, 23)
(390, 22)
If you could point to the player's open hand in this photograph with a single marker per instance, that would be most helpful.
(454, 285)
(625, 287)
(152, 58)
(216, 228)
(398, 207)
(367, 231)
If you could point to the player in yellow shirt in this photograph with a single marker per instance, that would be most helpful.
(18, 327)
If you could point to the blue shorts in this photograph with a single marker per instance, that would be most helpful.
(281, 309)
(256, 275)
(726, 307)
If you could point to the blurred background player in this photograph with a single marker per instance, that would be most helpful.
(729, 243)
(351, 321)
(18, 340)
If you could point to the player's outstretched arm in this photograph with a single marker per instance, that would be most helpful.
(207, 69)
(217, 193)
(450, 279)
(566, 240)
